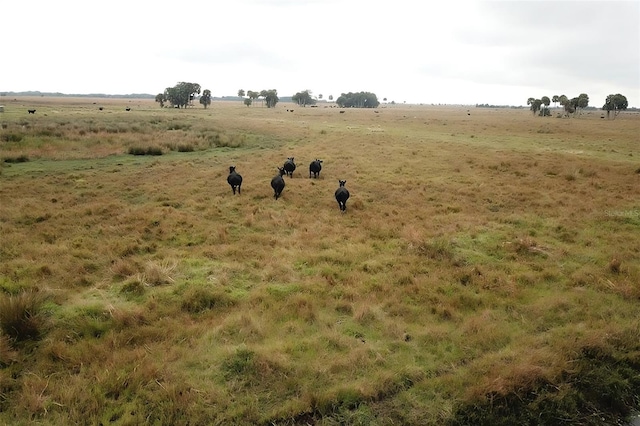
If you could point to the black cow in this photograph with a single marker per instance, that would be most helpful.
(315, 167)
(277, 183)
(31, 111)
(342, 195)
(289, 167)
(127, 109)
(234, 179)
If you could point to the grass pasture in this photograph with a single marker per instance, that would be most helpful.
(487, 270)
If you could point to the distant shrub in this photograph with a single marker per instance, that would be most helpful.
(178, 126)
(20, 315)
(49, 132)
(219, 140)
(18, 159)
(180, 147)
(150, 150)
(185, 148)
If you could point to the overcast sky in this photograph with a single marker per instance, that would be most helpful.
(496, 52)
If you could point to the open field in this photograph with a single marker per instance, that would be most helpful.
(487, 270)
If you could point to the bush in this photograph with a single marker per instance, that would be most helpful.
(18, 159)
(20, 315)
(150, 150)
(185, 148)
(178, 126)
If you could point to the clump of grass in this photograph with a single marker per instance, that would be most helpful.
(12, 137)
(185, 148)
(220, 140)
(437, 249)
(240, 363)
(21, 316)
(587, 173)
(614, 266)
(178, 126)
(201, 299)
(527, 245)
(150, 150)
(91, 321)
(344, 308)
(7, 354)
(133, 286)
(17, 159)
(599, 388)
(570, 177)
(159, 274)
(123, 268)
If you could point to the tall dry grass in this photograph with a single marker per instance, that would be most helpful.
(472, 271)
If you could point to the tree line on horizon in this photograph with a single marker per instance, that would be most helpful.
(613, 103)
(183, 94)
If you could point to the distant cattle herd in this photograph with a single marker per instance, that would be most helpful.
(278, 183)
(33, 111)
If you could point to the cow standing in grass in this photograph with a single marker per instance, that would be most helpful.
(277, 183)
(342, 195)
(289, 167)
(234, 179)
(315, 167)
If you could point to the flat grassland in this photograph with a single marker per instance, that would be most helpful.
(486, 271)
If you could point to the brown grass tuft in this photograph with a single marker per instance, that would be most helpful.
(7, 354)
(156, 274)
(614, 266)
(20, 315)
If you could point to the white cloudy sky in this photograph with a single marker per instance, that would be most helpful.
(497, 52)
